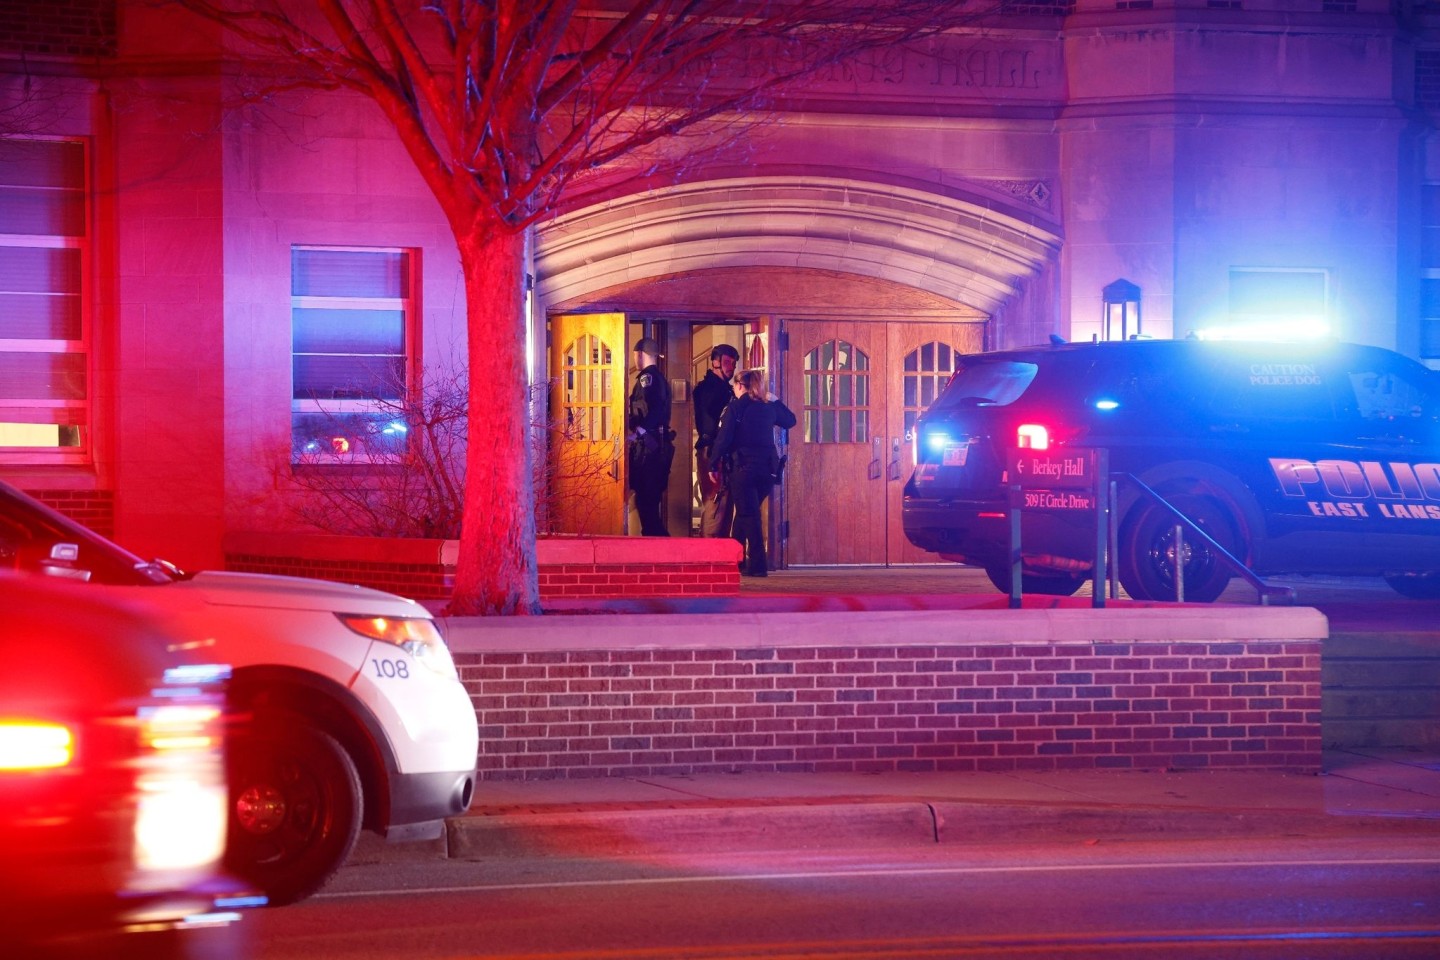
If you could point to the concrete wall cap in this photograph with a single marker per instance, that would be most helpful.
(741, 630)
(324, 546)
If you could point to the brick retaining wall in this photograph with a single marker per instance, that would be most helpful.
(980, 707)
(569, 567)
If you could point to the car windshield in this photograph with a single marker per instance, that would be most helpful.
(30, 532)
(989, 382)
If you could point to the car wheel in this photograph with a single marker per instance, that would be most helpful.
(295, 806)
(1148, 561)
(1049, 584)
(1416, 586)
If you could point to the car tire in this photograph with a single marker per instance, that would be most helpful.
(295, 806)
(1416, 586)
(1049, 584)
(1146, 562)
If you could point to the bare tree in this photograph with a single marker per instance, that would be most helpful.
(513, 110)
(395, 471)
(398, 471)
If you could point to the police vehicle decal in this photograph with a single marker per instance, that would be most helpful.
(1284, 375)
(1363, 489)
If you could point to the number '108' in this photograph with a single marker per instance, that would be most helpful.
(391, 668)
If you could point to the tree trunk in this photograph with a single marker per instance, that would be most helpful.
(495, 572)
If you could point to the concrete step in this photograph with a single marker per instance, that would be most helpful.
(1416, 733)
(1380, 690)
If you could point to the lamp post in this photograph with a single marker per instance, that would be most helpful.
(1120, 317)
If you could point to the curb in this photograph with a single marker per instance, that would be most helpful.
(837, 825)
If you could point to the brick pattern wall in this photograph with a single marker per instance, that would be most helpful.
(575, 569)
(423, 581)
(93, 508)
(419, 581)
(613, 580)
(59, 28)
(594, 713)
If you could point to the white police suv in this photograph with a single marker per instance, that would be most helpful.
(346, 707)
(1311, 457)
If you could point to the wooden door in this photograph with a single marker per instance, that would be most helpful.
(834, 483)
(585, 482)
(922, 358)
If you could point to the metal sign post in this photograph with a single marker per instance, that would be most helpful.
(1014, 566)
(1103, 507)
(1060, 480)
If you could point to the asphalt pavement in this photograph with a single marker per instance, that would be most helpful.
(1359, 791)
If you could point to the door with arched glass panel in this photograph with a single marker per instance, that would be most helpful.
(856, 388)
(925, 356)
(584, 490)
(834, 487)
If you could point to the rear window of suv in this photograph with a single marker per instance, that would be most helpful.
(995, 383)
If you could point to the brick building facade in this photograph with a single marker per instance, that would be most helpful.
(198, 258)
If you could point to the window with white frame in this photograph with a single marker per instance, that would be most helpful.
(1279, 302)
(45, 387)
(352, 316)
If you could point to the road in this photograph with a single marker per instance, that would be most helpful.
(1342, 897)
(1336, 898)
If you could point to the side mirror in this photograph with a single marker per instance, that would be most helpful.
(61, 562)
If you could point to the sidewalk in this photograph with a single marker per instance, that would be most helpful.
(1359, 792)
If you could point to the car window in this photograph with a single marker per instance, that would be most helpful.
(993, 383)
(1383, 394)
(29, 531)
(1151, 385)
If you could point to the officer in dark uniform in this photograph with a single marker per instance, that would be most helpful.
(711, 396)
(652, 442)
(746, 442)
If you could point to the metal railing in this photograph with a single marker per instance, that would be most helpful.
(1266, 591)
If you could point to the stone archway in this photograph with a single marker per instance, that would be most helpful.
(965, 250)
(801, 252)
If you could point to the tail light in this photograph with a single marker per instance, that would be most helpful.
(180, 786)
(1032, 436)
(35, 745)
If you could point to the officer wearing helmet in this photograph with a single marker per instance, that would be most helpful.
(652, 442)
(711, 396)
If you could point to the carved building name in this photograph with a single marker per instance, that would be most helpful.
(954, 65)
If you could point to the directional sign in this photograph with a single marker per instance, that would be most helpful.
(1054, 470)
(1057, 500)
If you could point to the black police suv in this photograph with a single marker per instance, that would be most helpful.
(1312, 457)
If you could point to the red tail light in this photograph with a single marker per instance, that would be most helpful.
(33, 745)
(1032, 436)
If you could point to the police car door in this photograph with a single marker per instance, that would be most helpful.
(1344, 433)
(1387, 403)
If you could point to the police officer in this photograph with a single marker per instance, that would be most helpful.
(711, 396)
(652, 442)
(747, 439)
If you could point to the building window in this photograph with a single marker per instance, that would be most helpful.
(1430, 270)
(837, 394)
(1279, 302)
(352, 314)
(1427, 79)
(45, 388)
(927, 371)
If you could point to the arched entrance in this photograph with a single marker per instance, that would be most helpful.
(819, 273)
